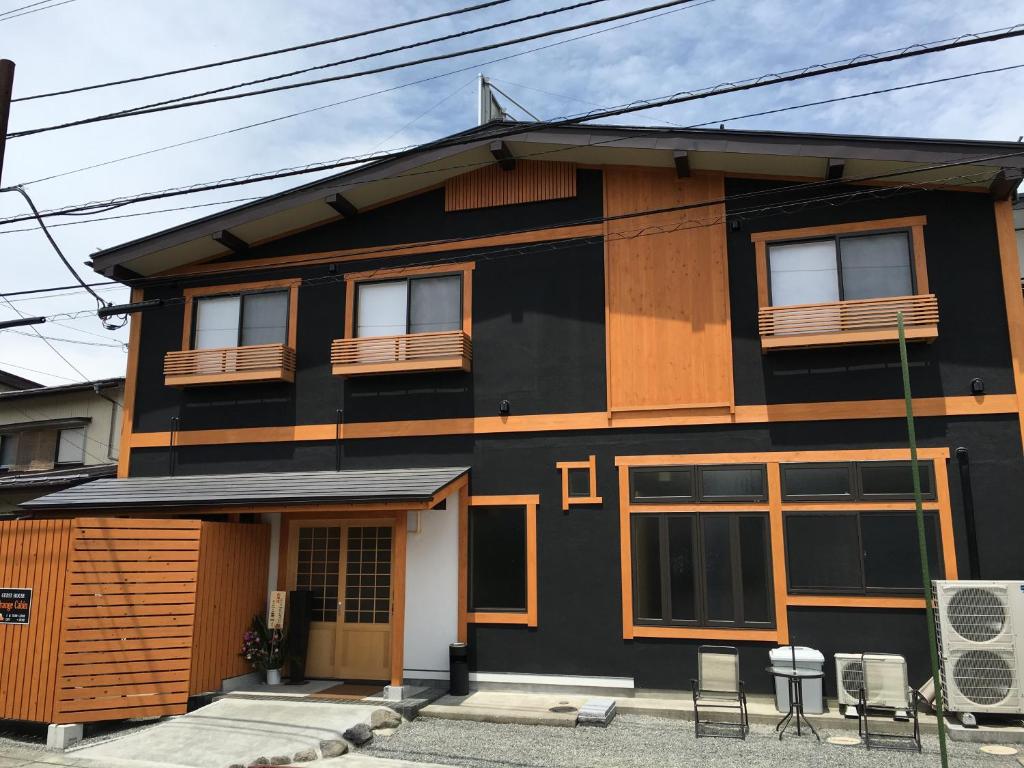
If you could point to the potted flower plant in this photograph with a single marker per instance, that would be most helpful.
(264, 649)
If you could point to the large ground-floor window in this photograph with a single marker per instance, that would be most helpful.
(709, 569)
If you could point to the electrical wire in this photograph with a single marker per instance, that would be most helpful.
(56, 351)
(81, 342)
(163, 107)
(502, 131)
(23, 7)
(54, 289)
(36, 10)
(310, 110)
(264, 54)
(33, 370)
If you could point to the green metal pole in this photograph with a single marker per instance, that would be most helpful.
(922, 541)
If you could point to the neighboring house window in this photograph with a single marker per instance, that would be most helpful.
(409, 305)
(843, 267)
(8, 451)
(71, 446)
(859, 553)
(241, 320)
(702, 570)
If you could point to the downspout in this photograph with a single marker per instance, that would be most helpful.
(973, 559)
(170, 452)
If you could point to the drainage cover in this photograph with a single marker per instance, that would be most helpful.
(562, 708)
(998, 749)
(843, 741)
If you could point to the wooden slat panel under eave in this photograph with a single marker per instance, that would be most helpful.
(530, 181)
(112, 630)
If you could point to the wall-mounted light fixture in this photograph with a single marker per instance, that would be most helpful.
(504, 408)
(977, 386)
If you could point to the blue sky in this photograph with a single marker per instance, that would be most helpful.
(696, 46)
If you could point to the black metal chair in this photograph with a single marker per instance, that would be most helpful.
(885, 688)
(718, 687)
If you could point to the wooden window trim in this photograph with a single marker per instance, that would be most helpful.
(529, 616)
(913, 225)
(592, 498)
(190, 294)
(776, 508)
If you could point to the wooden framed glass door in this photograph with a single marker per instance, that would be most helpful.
(347, 566)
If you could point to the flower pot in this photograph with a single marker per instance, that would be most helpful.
(274, 676)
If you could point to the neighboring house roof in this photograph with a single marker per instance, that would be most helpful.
(16, 382)
(39, 390)
(54, 478)
(768, 152)
(346, 486)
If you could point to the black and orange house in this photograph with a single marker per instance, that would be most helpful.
(585, 397)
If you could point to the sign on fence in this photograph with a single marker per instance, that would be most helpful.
(275, 616)
(15, 605)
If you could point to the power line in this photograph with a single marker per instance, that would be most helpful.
(264, 54)
(161, 107)
(636, 106)
(33, 370)
(81, 342)
(47, 342)
(385, 52)
(23, 7)
(431, 78)
(36, 10)
(694, 125)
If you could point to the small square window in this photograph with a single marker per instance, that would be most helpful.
(579, 483)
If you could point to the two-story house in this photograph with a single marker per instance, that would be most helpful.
(587, 397)
(56, 437)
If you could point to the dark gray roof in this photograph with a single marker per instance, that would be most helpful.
(8, 379)
(16, 481)
(347, 486)
(78, 386)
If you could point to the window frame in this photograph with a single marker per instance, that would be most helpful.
(836, 238)
(462, 269)
(697, 483)
(56, 453)
(589, 466)
(191, 295)
(241, 314)
(408, 299)
(527, 617)
(864, 590)
(702, 622)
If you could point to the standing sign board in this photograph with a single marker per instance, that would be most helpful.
(15, 605)
(275, 616)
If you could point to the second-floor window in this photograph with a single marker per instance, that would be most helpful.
(409, 305)
(71, 446)
(241, 320)
(842, 267)
(8, 451)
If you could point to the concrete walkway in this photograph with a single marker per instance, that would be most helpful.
(226, 732)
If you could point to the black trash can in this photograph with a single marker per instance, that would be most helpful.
(458, 669)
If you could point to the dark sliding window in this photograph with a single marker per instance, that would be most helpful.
(497, 559)
(855, 481)
(859, 552)
(708, 569)
(712, 483)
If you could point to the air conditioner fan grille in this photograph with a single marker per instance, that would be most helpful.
(853, 678)
(977, 615)
(983, 677)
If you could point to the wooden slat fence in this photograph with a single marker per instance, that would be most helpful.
(32, 555)
(233, 587)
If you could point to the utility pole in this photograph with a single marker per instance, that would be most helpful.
(6, 89)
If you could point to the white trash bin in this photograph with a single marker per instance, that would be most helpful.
(806, 658)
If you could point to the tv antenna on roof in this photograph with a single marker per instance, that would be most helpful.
(489, 109)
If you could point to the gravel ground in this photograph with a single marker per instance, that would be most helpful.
(634, 740)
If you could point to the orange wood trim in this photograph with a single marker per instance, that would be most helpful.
(744, 414)
(530, 181)
(606, 256)
(466, 267)
(463, 599)
(292, 284)
(761, 264)
(401, 529)
(875, 454)
(780, 579)
(530, 502)
(390, 251)
(350, 308)
(945, 519)
(703, 633)
(625, 555)
(591, 466)
(1008, 261)
(854, 601)
(131, 378)
(812, 340)
(722, 406)
(839, 229)
(920, 258)
(866, 506)
(710, 508)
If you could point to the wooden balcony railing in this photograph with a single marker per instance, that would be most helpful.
(858, 321)
(260, 362)
(442, 351)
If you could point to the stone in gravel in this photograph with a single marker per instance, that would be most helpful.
(280, 760)
(333, 748)
(236, 765)
(261, 761)
(304, 756)
(385, 718)
(385, 731)
(358, 734)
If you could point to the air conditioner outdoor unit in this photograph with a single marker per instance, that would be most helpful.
(888, 692)
(980, 633)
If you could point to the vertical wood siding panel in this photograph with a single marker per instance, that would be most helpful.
(530, 181)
